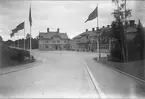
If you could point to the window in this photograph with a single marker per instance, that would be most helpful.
(46, 46)
(46, 41)
(58, 41)
(53, 41)
(64, 41)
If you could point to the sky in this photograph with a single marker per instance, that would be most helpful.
(68, 16)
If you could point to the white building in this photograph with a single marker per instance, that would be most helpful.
(53, 40)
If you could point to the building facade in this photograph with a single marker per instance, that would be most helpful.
(87, 41)
(53, 40)
(72, 45)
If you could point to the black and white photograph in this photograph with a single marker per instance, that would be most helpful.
(83, 49)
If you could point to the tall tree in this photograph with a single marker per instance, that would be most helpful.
(121, 12)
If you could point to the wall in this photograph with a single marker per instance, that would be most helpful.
(51, 43)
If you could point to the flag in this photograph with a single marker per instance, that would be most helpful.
(93, 15)
(13, 32)
(30, 18)
(20, 26)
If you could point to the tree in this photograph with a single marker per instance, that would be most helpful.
(120, 14)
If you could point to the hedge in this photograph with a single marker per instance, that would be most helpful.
(13, 56)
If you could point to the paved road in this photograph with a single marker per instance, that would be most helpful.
(114, 83)
(60, 75)
(63, 74)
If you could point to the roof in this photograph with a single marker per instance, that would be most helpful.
(52, 34)
(107, 31)
(131, 29)
(90, 33)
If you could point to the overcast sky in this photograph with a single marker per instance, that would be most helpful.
(69, 16)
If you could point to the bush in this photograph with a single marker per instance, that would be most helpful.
(17, 54)
(13, 54)
(22, 54)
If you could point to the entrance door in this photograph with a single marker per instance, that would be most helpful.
(56, 47)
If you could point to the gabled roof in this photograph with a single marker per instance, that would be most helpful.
(107, 31)
(63, 35)
(52, 34)
(90, 33)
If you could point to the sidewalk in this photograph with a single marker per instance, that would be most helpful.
(11, 69)
(135, 69)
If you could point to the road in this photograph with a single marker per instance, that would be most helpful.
(64, 74)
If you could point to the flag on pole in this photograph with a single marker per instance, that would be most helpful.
(30, 18)
(13, 32)
(20, 26)
(93, 15)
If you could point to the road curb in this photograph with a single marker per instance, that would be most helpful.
(16, 70)
(95, 83)
(123, 72)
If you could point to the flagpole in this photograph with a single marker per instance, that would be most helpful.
(30, 20)
(14, 40)
(30, 40)
(125, 12)
(98, 47)
(18, 40)
(24, 35)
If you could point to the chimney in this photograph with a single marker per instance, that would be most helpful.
(86, 30)
(93, 29)
(103, 26)
(97, 28)
(47, 30)
(58, 30)
(108, 25)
